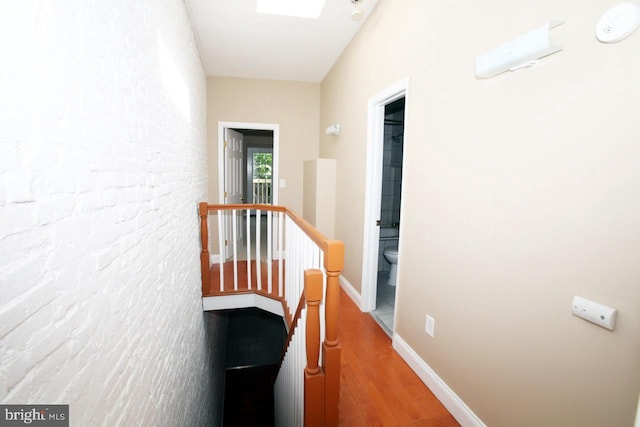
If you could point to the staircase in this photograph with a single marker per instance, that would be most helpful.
(254, 243)
(254, 347)
(249, 396)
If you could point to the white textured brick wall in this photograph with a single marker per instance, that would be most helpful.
(102, 163)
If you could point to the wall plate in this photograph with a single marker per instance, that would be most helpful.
(594, 312)
(618, 22)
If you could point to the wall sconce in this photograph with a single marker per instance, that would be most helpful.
(523, 52)
(333, 130)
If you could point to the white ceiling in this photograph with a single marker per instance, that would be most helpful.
(235, 41)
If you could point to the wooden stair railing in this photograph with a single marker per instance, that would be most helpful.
(321, 380)
(334, 263)
(314, 376)
(205, 268)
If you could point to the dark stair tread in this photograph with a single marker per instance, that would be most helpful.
(249, 396)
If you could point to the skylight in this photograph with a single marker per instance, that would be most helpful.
(298, 8)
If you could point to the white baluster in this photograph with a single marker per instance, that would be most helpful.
(234, 238)
(280, 253)
(249, 248)
(258, 255)
(221, 249)
(269, 254)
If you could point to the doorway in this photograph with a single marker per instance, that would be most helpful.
(259, 169)
(391, 191)
(387, 115)
(237, 143)
(253, 131)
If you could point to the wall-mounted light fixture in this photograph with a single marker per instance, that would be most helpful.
(333, 130)
(523, 52)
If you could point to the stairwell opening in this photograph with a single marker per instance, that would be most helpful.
(254, 348)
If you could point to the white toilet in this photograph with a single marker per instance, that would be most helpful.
(391, 255)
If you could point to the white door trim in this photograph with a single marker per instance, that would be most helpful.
(276, 150)
(373, 192)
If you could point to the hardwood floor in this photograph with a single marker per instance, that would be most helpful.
(377, 387)
(228, 282)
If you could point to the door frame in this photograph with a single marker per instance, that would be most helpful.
(276, 149)
(373, 192)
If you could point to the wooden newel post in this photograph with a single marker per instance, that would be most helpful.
(334, 264)
(313, 374)
(205, 269)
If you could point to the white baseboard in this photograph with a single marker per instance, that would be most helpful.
(460, 411)
(351, 291)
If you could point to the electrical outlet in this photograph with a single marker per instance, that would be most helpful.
(430, 326)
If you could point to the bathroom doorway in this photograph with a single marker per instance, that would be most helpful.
(391, 192)
(385, 147)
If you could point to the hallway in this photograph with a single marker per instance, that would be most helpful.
(377, 387)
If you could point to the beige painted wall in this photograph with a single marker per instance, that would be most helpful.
(319, 199)
(294, 106)
(519, 192)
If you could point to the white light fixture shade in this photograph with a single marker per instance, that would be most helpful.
(333, 130)
(522, 52)
(619, 22)
(357, 14)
